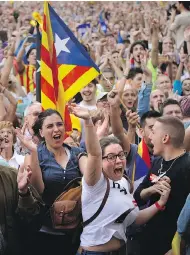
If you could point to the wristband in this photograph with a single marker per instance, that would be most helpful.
(159, 207)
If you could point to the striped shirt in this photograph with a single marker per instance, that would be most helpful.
(26, 78)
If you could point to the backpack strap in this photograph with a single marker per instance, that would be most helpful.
(131, 189)
(101, 206)
(68, 186)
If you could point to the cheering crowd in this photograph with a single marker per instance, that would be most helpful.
(130, 139)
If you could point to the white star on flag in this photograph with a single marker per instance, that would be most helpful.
(60, 45)
(39, 63)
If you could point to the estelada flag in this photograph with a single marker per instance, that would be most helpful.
(65, 65)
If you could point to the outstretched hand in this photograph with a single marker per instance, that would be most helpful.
(23, 178)
(79, 111)
(113, 98)
(132, 118)
(25, 141)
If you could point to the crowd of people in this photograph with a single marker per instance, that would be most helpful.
(130, 137)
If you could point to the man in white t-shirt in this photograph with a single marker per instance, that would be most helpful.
(88, 94)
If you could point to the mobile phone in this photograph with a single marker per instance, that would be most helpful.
(185, 47)
(160, 47)
(163, 59)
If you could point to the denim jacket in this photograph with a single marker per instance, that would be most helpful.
(55, 177)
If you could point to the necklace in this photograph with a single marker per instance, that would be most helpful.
(161, 168)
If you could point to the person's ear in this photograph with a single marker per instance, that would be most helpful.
(41, 133)
(141, 132)
(165, 139)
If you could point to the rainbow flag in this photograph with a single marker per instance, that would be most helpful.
(142, 162)
(65, 65)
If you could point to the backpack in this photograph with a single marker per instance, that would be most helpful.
(66, 213)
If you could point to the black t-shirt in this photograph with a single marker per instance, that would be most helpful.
(160, 230)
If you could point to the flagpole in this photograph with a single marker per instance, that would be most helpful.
(38, 72)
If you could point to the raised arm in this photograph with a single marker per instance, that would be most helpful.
(20, 64)
(13, 104)
(116, 123)
(115, 68)
(173, 24)
(154, 51)
(5, 72)
(187, 139)
(32, 160)
(146, 214)
(93, 169)
(2, 108)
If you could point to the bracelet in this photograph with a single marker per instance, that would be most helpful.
(159, 207)
(27, 194)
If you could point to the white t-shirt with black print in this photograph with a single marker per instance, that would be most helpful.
(103, 228)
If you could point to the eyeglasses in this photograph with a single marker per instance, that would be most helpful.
(112, 157)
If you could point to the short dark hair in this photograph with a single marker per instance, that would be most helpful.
(164, 66)
(169, 101)
(94, 82)
(186, 4)
(30, 50)
(106, 141)
(133, 72)
(186, 79)
(115, 51)
(137, 43)
(175, 129)
(148, 115)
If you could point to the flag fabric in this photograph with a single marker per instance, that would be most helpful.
(176, 244)
(142, 162)
(102, 23)
(82, 29)
(65, 65)
(119, 38)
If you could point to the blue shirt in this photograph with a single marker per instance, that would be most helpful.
(144, 99)
(183, 220)
(55, 177)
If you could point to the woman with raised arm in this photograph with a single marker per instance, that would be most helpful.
(107, 161)
(54, 164)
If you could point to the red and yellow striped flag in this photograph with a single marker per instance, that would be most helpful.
(65, 65)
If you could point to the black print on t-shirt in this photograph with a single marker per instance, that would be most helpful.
(118, 186)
